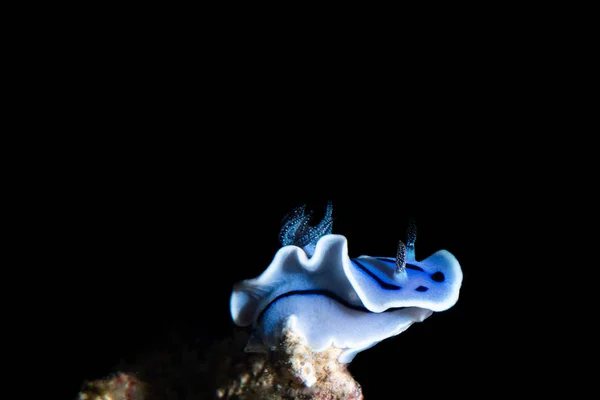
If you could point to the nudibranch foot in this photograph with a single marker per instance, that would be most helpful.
(325, 321)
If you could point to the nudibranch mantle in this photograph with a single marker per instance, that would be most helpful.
(331, 299)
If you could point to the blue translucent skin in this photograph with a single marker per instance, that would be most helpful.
(333, 300)
(420, 284)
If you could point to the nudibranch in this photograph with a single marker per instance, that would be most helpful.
(314, 288)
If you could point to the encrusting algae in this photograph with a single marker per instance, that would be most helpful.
(290, 371)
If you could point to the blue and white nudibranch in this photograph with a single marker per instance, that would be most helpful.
(329, 299)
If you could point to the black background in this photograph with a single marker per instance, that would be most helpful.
(151, 239)
(184, 147)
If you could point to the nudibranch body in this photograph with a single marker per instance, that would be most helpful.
(313, 287)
